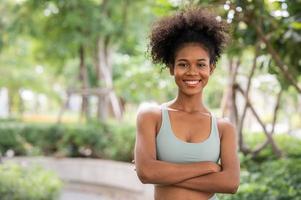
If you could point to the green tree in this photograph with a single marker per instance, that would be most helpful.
(269, 30)
(90, 32)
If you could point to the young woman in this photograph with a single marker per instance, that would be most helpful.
(181, 148)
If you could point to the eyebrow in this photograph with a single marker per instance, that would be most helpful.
(183, 59)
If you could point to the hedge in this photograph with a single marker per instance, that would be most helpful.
(107, 141)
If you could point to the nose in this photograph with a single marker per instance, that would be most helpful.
(192, 70)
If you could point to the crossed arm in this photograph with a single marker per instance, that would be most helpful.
(226, 180)
(202, 176)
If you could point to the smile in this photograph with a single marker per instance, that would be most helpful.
(192, 82)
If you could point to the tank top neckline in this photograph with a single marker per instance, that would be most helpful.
(167, 121)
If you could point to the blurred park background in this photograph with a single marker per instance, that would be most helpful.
(74, 72)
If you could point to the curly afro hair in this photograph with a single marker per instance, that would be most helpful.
(192, 25)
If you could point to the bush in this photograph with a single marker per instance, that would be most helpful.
(112, 140)
(267, 177)
(288, 144)
(43, 137)
(273, 180)
(121, 141)
(21, 183)
(83, 141)
(10, 138)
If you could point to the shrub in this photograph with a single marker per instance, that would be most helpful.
(22, 183)
(272, 180)
(84, 141)
(288, 144)
(267, 177)
(43, 136)
(112, 140)
(121, 142)
(10, 138)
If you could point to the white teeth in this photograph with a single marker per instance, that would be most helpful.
(191, 82)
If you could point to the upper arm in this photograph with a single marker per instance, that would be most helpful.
(145, 146)
(229, 149)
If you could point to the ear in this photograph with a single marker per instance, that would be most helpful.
(171, 69)
(212, 68)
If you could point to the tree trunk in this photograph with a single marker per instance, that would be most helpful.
(228, 101)
(276, 109)
(232, 102)
(21, 104)
(110, 101)
(10, 102)
(63, 107)
(229, 107)
(83, 76)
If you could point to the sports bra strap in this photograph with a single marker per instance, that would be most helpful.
(164, 115)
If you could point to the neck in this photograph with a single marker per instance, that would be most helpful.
(193, 103)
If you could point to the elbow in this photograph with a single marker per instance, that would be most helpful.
(231, 182)
(146, 173)
(233, 189)
(144, 176)
(233, 186)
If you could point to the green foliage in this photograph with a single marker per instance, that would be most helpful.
(292, 148)
(266, 177)
(108, 141)
(62, 27)
(83, 141)
(24, 183)
(50, 32)
(288, 144)
(10, 138)
(272, 180)
(141, 81)
(120, 144)
(41, 138)
(279, 22)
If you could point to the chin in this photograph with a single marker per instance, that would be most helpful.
(191, 93)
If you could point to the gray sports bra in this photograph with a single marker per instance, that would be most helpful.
(172, 149)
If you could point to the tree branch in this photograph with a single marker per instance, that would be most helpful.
(262, 146)
(270, 140)
(276, 57)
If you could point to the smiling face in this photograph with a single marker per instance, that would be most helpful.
(191, 68)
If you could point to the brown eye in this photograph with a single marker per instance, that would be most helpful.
(201, 65)
(183, 65)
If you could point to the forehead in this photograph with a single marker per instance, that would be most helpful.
(191, 51)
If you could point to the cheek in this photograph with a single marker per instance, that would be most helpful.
(206, 72)
(178, 74)
(177, 77)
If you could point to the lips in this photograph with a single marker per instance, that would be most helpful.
(191, 82)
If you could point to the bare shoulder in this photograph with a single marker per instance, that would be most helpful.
(225, 127)
(150, 113)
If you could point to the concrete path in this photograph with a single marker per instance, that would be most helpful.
(76, 195)
(94, 179)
